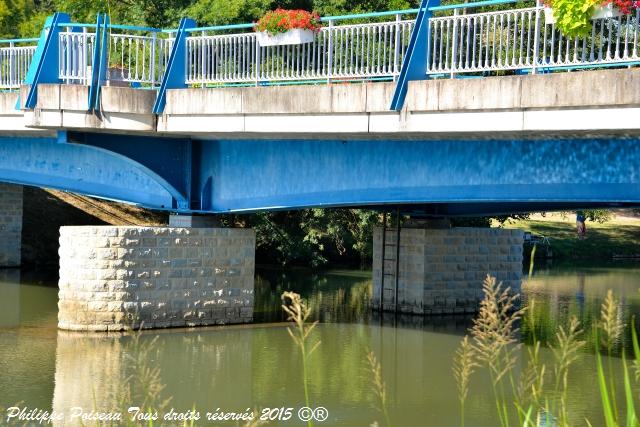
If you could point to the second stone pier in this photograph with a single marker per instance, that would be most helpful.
(440, 271)
(121, 278)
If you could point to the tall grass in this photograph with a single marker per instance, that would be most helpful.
(299, 313)
(379, 387)
(464, 364)
(539, 396)
(495, 342)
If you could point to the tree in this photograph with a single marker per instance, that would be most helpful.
(598, 215)
(222, 12)
(12, 14)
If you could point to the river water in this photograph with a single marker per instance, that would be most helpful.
(257, 366)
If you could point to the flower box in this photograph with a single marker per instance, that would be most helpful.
(287, 27)
(548, 16)
(608, 11)
(294, 36)
(599, 12)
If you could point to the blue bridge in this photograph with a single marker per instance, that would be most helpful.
(432, 109)
(455, 110)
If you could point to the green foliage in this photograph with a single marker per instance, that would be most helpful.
(573, 17)
(312, 237)
(599, 215)
(485, 221)
(535, 404)
(13, 13)
(222, 12)
(338, 7)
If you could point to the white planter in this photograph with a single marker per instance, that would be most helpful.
(603, 12)
(599, 12)
(548, 16)
(295, 36)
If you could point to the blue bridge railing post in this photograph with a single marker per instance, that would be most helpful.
(44, 66)
(414, 65)
(99, 61)
(175, 76)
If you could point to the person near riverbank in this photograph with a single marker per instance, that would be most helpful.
(580, 224)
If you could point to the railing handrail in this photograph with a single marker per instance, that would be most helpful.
(218, 28)
(113, 26)
(322, 19)
(473, 5)
(25, 40)
(489, 13)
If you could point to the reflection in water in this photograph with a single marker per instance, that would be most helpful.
(239, 367)
(10, 301)
(201, 367)
(562, 293)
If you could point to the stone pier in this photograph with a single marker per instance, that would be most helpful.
(116, 278)
(441, 271)
(10, 225)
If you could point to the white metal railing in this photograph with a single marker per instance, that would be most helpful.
(138, 58)
(132, 58)
(523, 39)
(358, 51)
(14, 64)
(75, 56)
(612, 40)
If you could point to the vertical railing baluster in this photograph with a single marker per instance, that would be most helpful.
(330, 59)
(203, 58)
(152, 63)
(258, 65)
(635, 33)
(454, 43)
(13, 81)
(396, 52)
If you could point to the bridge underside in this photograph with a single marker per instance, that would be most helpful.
(427, 177)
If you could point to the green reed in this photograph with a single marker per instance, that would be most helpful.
(540, 394)
(299, 313)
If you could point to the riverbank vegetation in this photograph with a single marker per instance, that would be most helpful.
(527, 390)
(537, 395)
(616, 235)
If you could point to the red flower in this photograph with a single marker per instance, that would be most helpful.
(280, 21)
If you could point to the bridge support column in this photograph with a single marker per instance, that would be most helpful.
(441, 271)
(121, 278)
(10, 225)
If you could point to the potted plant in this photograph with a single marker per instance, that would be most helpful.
(573, 17)
(285, 27)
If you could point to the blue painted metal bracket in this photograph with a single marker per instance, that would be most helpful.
(175, 74)
(169, 159)
(414, 65)
(44, 65)
(99, 61)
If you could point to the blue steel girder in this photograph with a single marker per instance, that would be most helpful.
(436, 177)
(44, 162)
(252, 175)
(168, 158)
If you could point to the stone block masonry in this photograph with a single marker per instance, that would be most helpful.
(120, 278)
(441, 271)
(10, 225)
